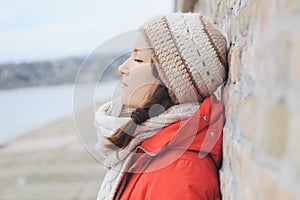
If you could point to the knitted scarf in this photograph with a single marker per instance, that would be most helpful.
(111, 116)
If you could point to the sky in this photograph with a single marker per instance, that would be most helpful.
(35, 30)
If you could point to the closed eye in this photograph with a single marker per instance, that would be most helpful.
(137, 60)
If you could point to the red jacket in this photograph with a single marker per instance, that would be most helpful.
(181, 161)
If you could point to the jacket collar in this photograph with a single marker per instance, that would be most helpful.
(185, 134)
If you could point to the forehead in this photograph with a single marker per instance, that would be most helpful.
(141, 47)
(140, 43)
(142, 51)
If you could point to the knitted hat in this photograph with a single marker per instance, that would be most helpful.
(189, 53)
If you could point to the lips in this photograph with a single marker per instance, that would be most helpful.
(124, 84)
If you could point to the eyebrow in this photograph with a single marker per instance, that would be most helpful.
(141, 49)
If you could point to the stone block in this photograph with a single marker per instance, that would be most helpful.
(188, 5)
(272, 129)
(244, 18)
(248, 118)
(293, 147)
(266, 187)
(249, 176)
(260, 143)
(268, 12)
(293, 6)
(295, 58)
(235, 64)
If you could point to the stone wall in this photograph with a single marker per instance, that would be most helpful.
(262, 130)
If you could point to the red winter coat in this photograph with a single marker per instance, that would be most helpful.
(181, 161)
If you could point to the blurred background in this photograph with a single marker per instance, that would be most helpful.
(45, 45)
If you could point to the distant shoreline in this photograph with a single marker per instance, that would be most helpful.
(27, 109)
(25, 132)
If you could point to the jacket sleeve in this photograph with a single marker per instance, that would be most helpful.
(184, 179)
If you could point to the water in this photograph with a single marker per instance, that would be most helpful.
(24, 109)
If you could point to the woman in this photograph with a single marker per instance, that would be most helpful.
(162, 139)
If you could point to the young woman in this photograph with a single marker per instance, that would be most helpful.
(162, 138)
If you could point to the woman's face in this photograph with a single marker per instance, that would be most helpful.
(138, 81)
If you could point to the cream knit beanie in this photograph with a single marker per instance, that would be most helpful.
(190, 54)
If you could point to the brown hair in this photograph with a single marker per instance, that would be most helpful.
(124, 134)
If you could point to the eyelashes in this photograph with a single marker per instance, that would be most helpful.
(137, 60)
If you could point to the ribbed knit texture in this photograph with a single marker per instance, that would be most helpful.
(190, 54)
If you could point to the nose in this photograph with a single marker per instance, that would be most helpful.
(124, 68)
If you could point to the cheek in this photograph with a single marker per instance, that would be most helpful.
(141, 76)
(140, 84)
(138, 91)
(135, 96)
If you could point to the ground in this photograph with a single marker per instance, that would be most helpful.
(49, 163)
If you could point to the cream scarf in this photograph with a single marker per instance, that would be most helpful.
(112, 115)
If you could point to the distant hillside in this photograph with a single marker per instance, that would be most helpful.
(62, 71)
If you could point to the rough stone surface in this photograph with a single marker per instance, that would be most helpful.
(261, 134)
